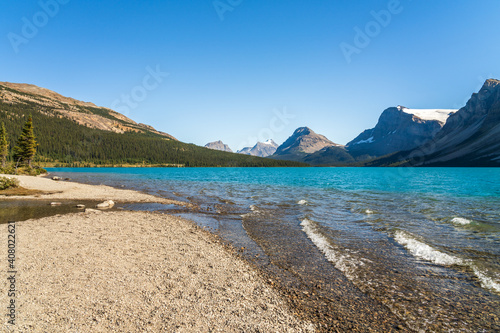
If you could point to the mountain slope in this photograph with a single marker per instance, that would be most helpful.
(261, 149)
(83, 113)
(330, 156)
(65, 140)
(218, 145)
(398, 129)
(471, 136)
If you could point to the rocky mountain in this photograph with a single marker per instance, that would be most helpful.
(83, 113)
(301, 143)
(471, 136)
(261, 149)
(218, 145)
(398, 129)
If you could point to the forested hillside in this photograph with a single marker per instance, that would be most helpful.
(66, 142)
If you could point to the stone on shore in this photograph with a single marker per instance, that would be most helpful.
(106, 204)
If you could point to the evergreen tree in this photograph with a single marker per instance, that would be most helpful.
(26, 144)
(4, 145)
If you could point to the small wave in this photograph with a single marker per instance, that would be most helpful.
(302, 202)
(254, 210)
(343, 262)
(461, 221)
(486, 281)
(424, 251)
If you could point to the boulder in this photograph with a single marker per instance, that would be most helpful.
(56, 178)
(106, 204)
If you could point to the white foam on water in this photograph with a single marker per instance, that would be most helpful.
(461, 221)
(486, 281)
(424, 251)
(368, 211)
(254, 210)
(302, 202)
(342, 261)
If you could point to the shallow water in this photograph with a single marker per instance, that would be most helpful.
(422, 242)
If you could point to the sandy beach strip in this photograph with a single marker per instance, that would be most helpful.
(63, 190)
(133, 272)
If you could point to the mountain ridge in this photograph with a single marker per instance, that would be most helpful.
(84, 113)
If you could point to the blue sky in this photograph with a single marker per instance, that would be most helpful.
(241, 70)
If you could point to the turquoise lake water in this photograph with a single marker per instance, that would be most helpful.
(424, 242)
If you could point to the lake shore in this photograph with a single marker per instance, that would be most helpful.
(132, 271)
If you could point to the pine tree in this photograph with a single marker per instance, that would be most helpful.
(26, 144)
(4, 145)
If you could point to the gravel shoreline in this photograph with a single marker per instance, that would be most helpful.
(132, 271)
(63, 190)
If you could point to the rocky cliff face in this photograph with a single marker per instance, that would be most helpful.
(471, 136)
(398, 129)
(84, 113)
(218, 145)
(261, 149)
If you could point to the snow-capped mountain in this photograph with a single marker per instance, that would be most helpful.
(471, 136)
(399, 128)
(261, 149)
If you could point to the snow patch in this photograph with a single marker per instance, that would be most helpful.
(369, 140)
(440, 115)
(268, 142)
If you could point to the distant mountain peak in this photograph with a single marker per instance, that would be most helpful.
(218, 145)
(261, 149)
(304, 141)
(270, 142)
